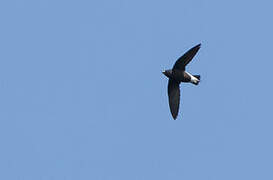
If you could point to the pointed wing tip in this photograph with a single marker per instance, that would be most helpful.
(197, 47)
(174, 116)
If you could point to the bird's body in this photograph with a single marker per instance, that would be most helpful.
(181, 76)
(177, 75)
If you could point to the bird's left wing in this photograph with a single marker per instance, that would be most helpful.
(174, 97)
(181, 63)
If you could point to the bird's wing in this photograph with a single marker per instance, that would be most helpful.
(174, 97)
(186, 58)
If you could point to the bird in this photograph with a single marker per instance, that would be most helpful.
(177, 75)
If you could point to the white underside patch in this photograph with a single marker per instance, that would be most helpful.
(193, 79)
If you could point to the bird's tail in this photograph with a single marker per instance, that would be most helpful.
(198, 77)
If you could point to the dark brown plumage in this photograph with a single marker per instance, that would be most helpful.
(177, 75)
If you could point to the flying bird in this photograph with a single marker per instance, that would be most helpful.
(177, 75)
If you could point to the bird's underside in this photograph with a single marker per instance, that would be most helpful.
(181, 76)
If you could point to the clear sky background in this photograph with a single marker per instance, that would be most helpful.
(82, 95)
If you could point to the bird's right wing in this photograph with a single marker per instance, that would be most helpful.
(174, 97)
(181, 63)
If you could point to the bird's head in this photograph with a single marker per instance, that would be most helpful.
(167, 73)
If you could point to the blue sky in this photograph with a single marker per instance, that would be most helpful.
(82, 95)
